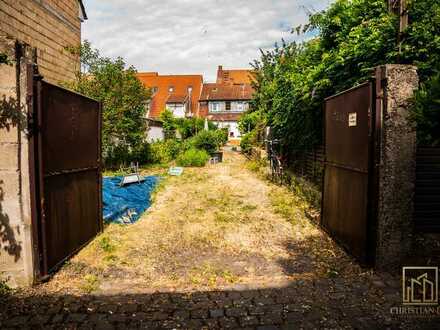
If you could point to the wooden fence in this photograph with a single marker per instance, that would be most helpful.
(309, 165)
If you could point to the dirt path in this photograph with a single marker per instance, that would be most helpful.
(221, 247)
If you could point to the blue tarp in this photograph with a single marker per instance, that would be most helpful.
(126, 204)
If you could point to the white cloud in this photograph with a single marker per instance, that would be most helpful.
(191, 36)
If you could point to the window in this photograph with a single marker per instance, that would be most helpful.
(154, 90)
(228, 105)
(240, 106)
(214, 107)
(190, 89)
(171, 89)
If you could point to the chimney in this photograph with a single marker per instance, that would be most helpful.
(220, 74)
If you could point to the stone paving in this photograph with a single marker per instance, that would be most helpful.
(329, 303)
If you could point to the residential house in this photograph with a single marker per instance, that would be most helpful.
(178, 93)
(224, 101)
(53, 27)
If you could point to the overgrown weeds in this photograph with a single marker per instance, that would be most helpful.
(5, 289)
(90, 283)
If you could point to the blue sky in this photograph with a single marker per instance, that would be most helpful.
(192, 36)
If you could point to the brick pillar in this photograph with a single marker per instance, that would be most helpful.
(396, 173)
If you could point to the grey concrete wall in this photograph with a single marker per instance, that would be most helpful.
(397, 166)
(16, 256)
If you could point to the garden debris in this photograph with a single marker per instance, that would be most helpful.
(125, 204)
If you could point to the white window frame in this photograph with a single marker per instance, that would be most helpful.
(214, 106)
(240, 106)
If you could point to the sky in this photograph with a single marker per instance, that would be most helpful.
(192, 36)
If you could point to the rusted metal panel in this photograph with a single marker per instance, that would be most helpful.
(68, 160)
(71, 206)
(70, 130)
(427, 190)
(349, 145)
(345, 210)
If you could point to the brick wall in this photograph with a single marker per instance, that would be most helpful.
(49, 26)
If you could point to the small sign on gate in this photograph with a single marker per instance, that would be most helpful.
(352, 119)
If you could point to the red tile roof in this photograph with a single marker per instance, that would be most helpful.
(180, 85)
(175, 98)
(222, 92)
(234, 76)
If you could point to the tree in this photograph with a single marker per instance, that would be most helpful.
(169, 124)
(124, 100)
(352, 37)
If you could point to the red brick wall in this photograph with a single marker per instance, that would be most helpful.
(49, 26)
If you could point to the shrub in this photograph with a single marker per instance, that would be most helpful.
(165, 151)
(222, 136)
(169, 124)
(189, 127)
(206, 140)
(426, 112)
(193, 157)
(247, 141)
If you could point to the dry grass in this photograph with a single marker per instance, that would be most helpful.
(210, 227)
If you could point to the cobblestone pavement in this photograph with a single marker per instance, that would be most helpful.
(331, 304)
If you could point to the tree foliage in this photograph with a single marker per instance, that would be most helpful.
(124, 100)
(351, 38)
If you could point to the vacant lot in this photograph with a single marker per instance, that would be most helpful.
(214, 227)
(220, 248)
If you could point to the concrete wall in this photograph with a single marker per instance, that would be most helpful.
(50, 26)
(396, 166)
(16, 256)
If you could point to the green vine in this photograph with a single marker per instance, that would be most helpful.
(4, 59)
(343, 44)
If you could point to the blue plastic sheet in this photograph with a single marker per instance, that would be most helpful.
(126, 204)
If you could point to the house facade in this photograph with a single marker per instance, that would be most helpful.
(178, 93)
(224, 101)
(52, 27)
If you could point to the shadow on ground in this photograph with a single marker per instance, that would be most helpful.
(306, 303)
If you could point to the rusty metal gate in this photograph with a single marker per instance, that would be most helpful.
(349, 144)
(67, 176)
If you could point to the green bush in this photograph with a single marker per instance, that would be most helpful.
(426, 112)
(193, 157)
(247, 141)
(222, 136)
(188, 127)
(206, 140)
(165, 151)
